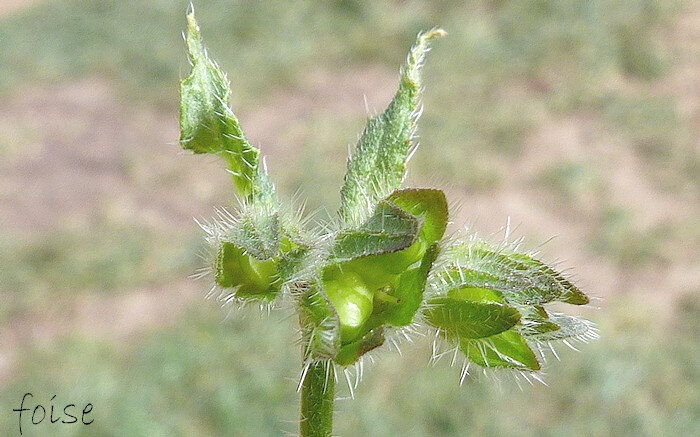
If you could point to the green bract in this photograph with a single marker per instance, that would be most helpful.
(386, 268)
(376, 273)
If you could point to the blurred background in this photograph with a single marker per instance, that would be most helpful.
(579, 120)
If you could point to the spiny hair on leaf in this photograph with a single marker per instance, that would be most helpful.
(572, 328)
(503, 267)
(443, 349)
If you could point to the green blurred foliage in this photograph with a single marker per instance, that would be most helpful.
(102, 259)
(621, 238)
(571, 180)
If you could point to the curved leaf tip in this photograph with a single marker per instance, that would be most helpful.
(377, 166)
(416, 56)
(207, 124)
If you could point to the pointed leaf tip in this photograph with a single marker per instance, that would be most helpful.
(193, 38)
(416, 57)
(434, 33)
(378, 165)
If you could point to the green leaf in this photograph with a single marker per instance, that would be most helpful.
(409, 292)
(388, 230)
(350, 353)
(569, 292)
(429, 209)
(518, 277)
(207, 124)
(351, 299)
(427, 204)
(250, 277)
(296, 254)
(475, 294)
(365, 300)
(507, 349)
(378, 164)
(464, 319)
(292, 262)
(390, 256)
(259, 235)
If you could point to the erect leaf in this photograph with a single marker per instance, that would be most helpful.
(350, 353)
(378, 164)
(389, 229)
(429, 205)
(251, 278)
(507, 349)
(518, 277)
(207, 124)
(319, 323)
(464, 319)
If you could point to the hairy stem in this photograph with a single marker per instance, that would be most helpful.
(317, 395)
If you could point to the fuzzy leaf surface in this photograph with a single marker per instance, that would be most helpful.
(429, 209)
(429, 205)
(207, 124)
(387, 230)
(520, 278)
(378, 164)
(569, 327)
(259, 235)
(463, 319)
(536, 321)
(350, 353)
(507, 349)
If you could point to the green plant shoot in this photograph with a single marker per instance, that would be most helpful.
(386, 269)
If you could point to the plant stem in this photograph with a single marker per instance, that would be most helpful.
(317, 396)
